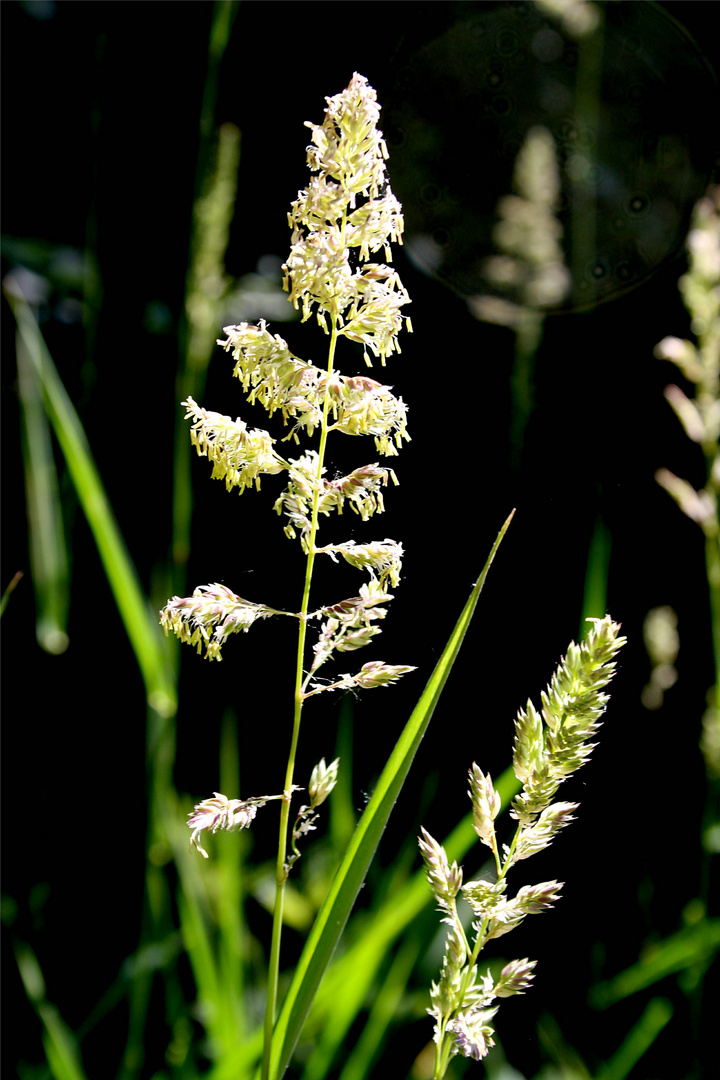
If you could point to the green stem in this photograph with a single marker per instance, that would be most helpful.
(281, 868)
(442, 1050)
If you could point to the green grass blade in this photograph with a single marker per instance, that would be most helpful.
(384, 1008)
(567, 1063)
(48, 554)
(342, 806)
(347, 1006)
(141, 625)
(61, 1046)
(691, 945)
(596, 576)
(638, 1041)
(336, 908)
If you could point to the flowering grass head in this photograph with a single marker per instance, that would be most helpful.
(342, 224)
(550, 745)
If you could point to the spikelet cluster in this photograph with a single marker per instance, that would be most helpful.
(222, 813)
(550, 745)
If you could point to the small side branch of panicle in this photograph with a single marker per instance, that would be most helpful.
(382, 558)
(485, 806)
(223, 813)
(239, 456)
(352, 623)
(445, 879)
(281, 382)
(322, 781)
(361, 490)
(208, 617)
(371, 675)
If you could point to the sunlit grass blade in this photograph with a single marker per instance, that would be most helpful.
(195, 898)
(338, 904)
(141, 625)
(48, 554)
(61, 1046)
(213, 956)
(239, 1063)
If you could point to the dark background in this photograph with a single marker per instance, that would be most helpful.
(101, 104)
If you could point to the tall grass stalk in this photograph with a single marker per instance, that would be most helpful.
(347, 210)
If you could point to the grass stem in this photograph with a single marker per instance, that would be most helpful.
(281, 867)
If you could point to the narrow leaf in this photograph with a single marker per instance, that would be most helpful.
(61, 1046)
(638, 1041)
(696, 944)
(139, 623)
(48, 554)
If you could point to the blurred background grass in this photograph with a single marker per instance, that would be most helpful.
(110, 120)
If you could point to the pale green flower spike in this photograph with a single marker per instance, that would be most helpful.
(662, 642)
(322, 780)
(549, 746)
(349, 154)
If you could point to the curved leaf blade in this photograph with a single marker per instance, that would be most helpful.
(140, 625)
(334, 913)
